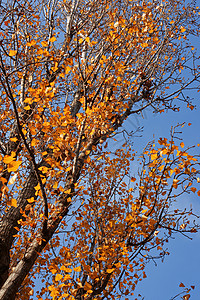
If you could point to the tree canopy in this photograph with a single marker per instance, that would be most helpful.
(75, 210)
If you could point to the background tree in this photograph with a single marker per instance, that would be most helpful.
(73, 208)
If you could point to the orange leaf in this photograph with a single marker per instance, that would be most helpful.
(181, 285)
(53, 271)
(154, 156)
(3, 180)
(17, 228)
(14, 202)
(9, 158)
(12, 52)
(58, 277)
(32, 43)
(31, 200)
(27, 107)
(67, 69)
(183, 29)
(13, 139)
(77, 269)
(144, 45)
(87, 39)
(44, 44)
(13, 166)
(110, 270)
(53, 39)
(87, 286)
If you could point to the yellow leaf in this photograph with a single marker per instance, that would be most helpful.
(14, 202)
(9, 158)
(175, 183)
(87, 39)
(53, 39)
(154, 156)
(32, 43)
(68, 270)
(44, 153)
(58, 277)
(13, 166)
(27, 107)
(13, 139)
(183, 29)
(63, 268)
(77, 269)
(67, 191)
(110, 270)
(118, 265)
(55, 185)
(28, 100)
(144, 45)
(67, 69)
(43, 169)
(33, 142)
(53, 271)
(37, 187)
(67, 277)
(31, 200)
(62, 75)
(12, 52)
(54, 292)
(3, 180)
(44, 44)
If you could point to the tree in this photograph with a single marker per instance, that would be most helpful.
(74, 209)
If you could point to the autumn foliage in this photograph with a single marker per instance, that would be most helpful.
(75, 213)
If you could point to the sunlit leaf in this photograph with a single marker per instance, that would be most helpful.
(77, 269)
(14, 165)
(53, 39)
(12, 52)
(14, 202)
(58, 277)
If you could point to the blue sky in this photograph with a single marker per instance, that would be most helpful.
(183, 263)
